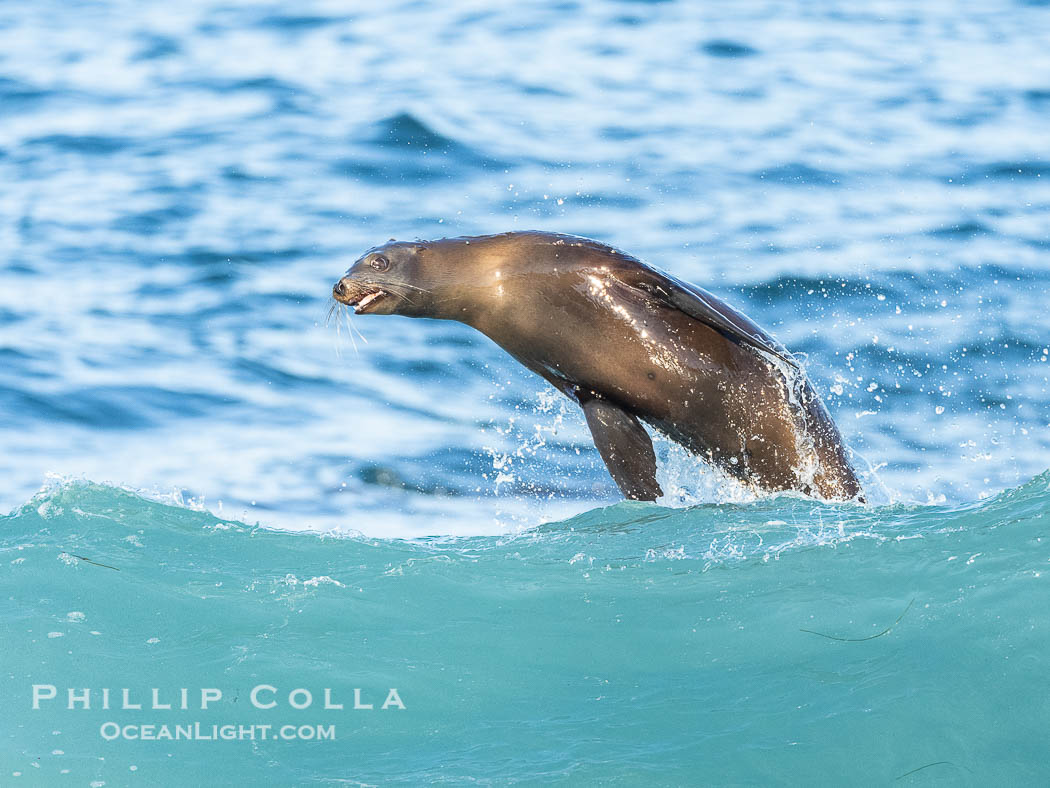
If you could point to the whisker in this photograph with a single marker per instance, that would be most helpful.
(337, 306)
(338, 331)
(350, 333)
(413, 287)
(354, 328)
(392, 290)
(334, 305)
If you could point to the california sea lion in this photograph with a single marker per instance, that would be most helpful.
(628, 343)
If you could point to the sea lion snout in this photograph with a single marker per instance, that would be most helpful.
(348, 290)
(362, 296)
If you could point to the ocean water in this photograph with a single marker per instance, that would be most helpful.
(775, 642)
(211, 486)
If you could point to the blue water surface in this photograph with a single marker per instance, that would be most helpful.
(181, 184)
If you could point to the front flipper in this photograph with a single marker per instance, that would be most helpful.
(626, 449)
(706, 308)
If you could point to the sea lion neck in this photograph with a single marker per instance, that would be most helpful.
(473, 276)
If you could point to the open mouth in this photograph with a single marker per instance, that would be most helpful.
(361, 300)
(371, 298)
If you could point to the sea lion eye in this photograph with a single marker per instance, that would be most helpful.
(380, 263)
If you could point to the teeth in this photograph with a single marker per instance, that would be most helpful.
(367, 300)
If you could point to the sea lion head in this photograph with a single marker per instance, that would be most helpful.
(440, 279)
(391, 279)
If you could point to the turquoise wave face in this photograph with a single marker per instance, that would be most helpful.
(783, 640)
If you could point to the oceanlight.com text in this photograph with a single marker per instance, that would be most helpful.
(195, 731)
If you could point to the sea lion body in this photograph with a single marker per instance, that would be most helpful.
(626, 342)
